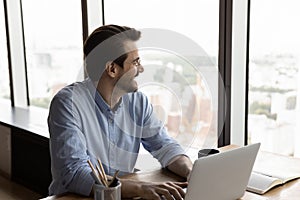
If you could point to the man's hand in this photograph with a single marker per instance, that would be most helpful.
(151, 190)
(170, 190)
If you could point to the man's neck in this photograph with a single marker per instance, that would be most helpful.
(110, 95)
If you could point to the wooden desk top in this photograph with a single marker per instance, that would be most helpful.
(265, 160)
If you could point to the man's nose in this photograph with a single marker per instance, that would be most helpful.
(140, 69)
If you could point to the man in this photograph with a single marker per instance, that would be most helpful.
(105, 117)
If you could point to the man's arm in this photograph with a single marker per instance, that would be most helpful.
(151, 190)
(70, 170)
(181, 165)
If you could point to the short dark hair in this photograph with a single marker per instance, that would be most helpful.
(106, 43)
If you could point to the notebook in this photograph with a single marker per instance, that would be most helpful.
(222, 176)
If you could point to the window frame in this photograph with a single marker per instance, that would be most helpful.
(224, 57)
(225, 52)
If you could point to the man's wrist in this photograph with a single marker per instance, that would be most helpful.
(130, 188)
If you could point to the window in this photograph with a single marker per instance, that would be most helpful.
(94, 11)
(53, 39)
(274, 61)
(4, 75)
(179, 85)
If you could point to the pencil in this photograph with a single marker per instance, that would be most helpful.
(94, 171)
(95, 177)
(114, 179)
(115, 175)
(103, 172)
(101, 177)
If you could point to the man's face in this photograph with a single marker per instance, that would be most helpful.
(131, 69)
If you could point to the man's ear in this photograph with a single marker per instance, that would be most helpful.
(111, 69)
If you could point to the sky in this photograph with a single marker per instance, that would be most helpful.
(275, 26)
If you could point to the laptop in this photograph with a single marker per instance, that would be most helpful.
(222, 176)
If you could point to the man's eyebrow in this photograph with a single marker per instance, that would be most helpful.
(136, 59)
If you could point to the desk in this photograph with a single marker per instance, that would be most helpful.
(265, 160)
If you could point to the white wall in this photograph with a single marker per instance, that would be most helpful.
(239, 42)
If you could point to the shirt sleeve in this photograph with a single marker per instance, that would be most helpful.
(70, 170)
(156, 139)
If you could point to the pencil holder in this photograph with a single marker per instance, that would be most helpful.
(107, 193)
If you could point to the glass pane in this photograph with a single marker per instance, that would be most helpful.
(4, 75)
(94, 8)
(53, 39)
(179, 84)
(274, 76)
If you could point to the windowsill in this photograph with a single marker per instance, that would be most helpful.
(32, 119)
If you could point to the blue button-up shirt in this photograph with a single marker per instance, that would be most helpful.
(83, 127)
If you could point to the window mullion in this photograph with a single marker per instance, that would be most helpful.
(225, 43)
(17, 53)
